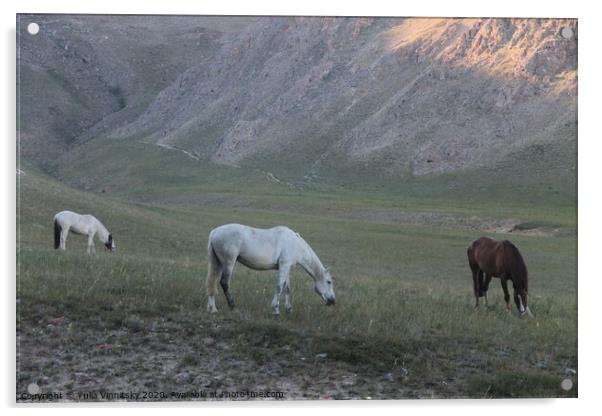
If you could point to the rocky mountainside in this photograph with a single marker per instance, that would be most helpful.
(298, 95)
(82, 75)
(406, 95)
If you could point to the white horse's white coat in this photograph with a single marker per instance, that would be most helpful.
(87, 225)
(278, 248)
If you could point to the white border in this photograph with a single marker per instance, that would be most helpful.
(462, 8)
(589, 186)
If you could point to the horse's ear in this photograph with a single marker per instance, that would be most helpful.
(327, 269)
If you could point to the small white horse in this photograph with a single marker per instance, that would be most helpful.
(66, 221)
(278, 248)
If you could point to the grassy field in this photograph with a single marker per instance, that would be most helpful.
(404, 325)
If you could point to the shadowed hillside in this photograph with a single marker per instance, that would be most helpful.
(486, 107)
(82, 75)
(403, 96)
(307, 99)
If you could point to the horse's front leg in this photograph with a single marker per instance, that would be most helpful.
(519, 303)
(475, 286)
(91, 249)
(283, 271)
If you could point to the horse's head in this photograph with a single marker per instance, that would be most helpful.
(324, 287)
(110, 244)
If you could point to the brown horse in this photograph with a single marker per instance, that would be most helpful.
(493, 258)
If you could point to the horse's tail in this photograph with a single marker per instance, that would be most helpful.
(57, 234)
(477, 273)
(472, 261)
(214, 269)
(516, 266)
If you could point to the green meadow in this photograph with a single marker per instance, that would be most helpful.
(404, 325)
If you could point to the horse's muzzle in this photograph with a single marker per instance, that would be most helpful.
(330, 301)
(525, 314)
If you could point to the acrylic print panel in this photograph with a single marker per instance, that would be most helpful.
(347, 167)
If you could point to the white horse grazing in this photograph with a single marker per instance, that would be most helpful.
(66, 221)
(277, 248)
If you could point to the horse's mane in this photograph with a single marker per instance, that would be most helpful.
(103, 231)
(316, 263)
(516, 264)
(307, 246)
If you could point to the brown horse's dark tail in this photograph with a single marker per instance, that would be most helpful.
(478, 275)
(57, 234)
(472, 261)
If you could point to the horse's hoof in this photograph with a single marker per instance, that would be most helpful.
(289, 310)
(231, 305)
(211, 309)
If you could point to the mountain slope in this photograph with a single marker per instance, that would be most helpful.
(400, 96)
(82, 75)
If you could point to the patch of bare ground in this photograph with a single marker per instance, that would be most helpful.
(463, 222)
(514, 230)
(534, 232)
(191, 357)
(434, 220)
(440, 220)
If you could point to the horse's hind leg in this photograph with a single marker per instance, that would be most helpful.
(283, 272)
(481, 283)
(506, 294)
(486, 286)
(475, 282)
(287, 295)
(225, 282)
(214, 269)
(63, 238)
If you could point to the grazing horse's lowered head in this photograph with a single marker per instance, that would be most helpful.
(324, 287)
(110, 244)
